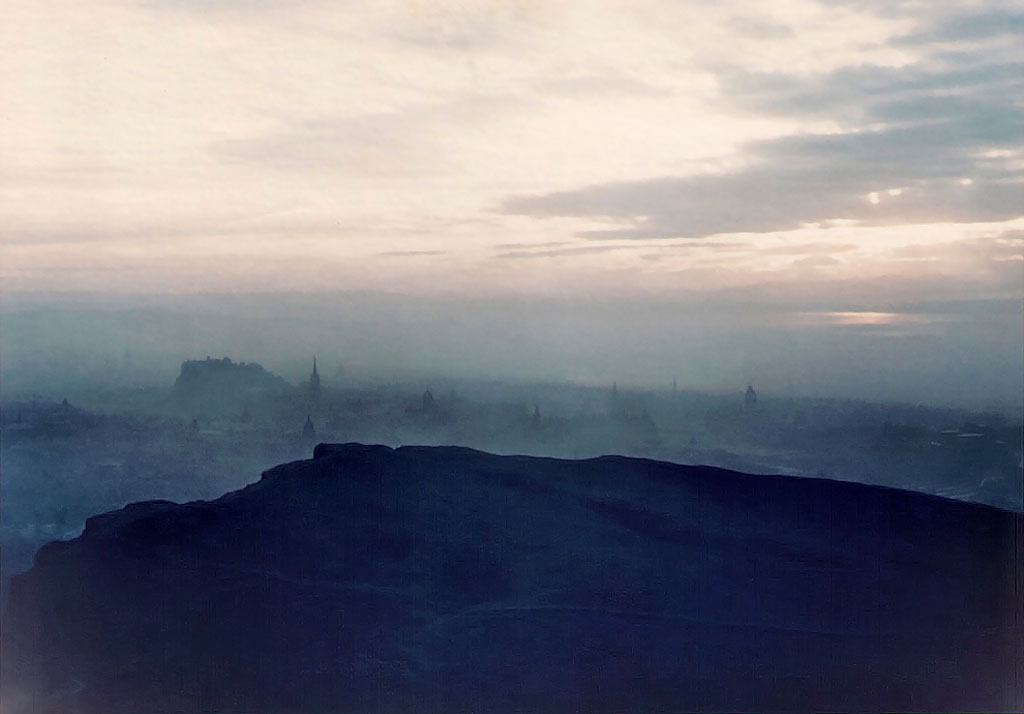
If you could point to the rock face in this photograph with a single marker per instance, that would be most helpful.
(447, 580)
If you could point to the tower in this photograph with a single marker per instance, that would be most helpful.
(314, 382)
(750, 398)
(308, 430)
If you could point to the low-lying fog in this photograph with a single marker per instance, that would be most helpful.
(98, 410)
(965, 354)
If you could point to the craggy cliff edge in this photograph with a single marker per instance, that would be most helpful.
(429, 579)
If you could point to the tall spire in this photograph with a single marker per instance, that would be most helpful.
(314, 382)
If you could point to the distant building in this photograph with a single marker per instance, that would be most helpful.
(646, 420)
(308, 430)
(314, 383)
(750, 398)
(217, 386)
(615, 404)
(428, 400)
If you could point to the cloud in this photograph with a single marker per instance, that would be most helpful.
(411, 253)
(462, 25)
(408, 142)
(560, 252)
(969, 27)
(909, 146)
(522, 245)
(851, 94)
(783, 195)
(162, 132)
(600, 85)
(810, 248)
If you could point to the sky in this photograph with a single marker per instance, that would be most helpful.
(853, 168)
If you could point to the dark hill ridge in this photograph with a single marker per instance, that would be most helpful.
(441, 579)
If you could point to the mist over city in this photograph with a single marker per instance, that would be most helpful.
(500, 355)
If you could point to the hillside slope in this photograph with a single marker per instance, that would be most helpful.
(440, 579)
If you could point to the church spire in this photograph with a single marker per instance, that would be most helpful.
(314, 382)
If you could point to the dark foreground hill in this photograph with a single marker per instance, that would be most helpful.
(447, 580)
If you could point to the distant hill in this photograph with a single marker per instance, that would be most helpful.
(442, 579)
(221, 385)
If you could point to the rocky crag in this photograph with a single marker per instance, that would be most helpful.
(418, 579)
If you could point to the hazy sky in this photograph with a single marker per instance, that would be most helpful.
(840, 160)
